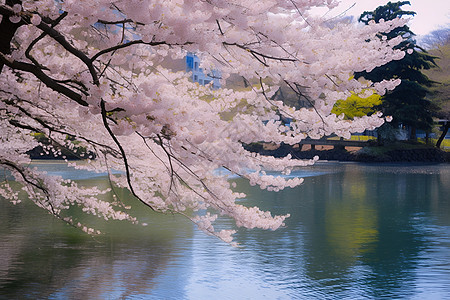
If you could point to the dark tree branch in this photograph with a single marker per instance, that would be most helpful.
(300, 13)
(124, 45)
(40, 37)
(66, 45)
(78, 85)
(170, 161)
(220, 28)
(46, 125)
(297, 90)
(17, 124)
(38, 186)
(118, 22)
(261, 55)
(122, 151)
(7, 28)
(48, 81)
(11, 28)
(444, 133)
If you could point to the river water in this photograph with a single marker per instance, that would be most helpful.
(356, 231)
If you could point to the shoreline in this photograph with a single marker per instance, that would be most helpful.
(400, 152)
(374, 154)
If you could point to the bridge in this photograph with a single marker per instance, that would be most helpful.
(337, 144)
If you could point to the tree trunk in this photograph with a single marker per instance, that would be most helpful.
(379, 138)
(444, 133)
(7, 31)
(412, 135)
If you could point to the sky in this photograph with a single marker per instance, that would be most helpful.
(431, 14)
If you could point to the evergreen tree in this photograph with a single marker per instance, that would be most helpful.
(407, 103)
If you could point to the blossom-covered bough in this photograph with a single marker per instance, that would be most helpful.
(91, 71)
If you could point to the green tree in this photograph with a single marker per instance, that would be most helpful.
(439, 42)
(356, 106)
(407, 103)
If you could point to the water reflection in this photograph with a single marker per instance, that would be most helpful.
(355, 231)
(41, 258)
(359, 230)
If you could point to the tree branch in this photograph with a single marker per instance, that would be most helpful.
(48, 81)
(40, 37)
(49, 207)
(7, 28)
(264, 56)
(66, 45)
(119, 22)
(122, 151)
(120, 46)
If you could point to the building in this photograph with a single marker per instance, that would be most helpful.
(199, 74)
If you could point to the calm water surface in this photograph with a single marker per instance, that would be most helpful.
(356, 232)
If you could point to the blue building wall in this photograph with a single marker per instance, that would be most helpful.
(199, 75)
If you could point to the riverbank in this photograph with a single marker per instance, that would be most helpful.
(395, 152)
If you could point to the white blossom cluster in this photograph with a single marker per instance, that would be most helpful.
(91, 70)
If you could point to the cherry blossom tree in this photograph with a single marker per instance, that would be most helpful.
(91, 71)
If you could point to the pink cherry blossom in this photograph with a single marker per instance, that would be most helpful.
(103, 75)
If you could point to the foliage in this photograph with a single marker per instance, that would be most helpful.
(407, 103)
(92, 71)
(440, 91)
(356, 106)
